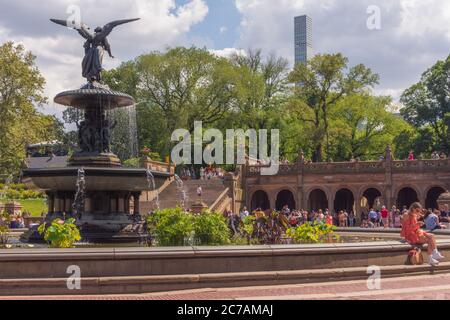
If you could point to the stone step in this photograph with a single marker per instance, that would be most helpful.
(152, 284)
(212, 189)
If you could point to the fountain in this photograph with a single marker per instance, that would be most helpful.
(152, 184)
(182, 193)
(94, 188)
(80, 195)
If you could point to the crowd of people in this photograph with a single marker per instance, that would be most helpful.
(384, 218)
(17, 221)
(208, 173)
(415, 223)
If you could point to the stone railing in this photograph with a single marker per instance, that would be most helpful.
(220, 202)
(345, 167)
(356, 167)
(421, 165)
(156, 166)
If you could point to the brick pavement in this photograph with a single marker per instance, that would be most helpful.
(427, 287)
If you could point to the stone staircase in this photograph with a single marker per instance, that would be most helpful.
(213, 190)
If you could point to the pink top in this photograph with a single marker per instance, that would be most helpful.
(329, 220)
(411, 230)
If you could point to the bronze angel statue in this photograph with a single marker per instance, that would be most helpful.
(95, 46)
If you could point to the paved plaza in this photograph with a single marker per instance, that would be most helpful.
(429, 287)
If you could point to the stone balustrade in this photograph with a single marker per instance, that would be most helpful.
(157, 166)
(356, 167)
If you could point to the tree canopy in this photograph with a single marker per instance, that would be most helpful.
(427, 107)
(21, 93)
(324, 107)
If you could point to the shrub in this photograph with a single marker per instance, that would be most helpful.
(211, 229)
(60, 234)
(171, 227)
(132, 163)
(5, 219)
(268, 227)
(311, 233)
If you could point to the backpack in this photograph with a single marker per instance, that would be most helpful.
(415, 257)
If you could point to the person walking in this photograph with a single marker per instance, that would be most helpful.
(200, 192)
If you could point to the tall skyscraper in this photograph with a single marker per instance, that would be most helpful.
(303, 39)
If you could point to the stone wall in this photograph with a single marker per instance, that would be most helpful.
(392, 182)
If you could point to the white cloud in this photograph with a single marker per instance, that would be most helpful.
(59, 50)
(414, 35)
(420, 17)
(228, 52)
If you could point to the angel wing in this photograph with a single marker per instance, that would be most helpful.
(107, 29)
(83, 29)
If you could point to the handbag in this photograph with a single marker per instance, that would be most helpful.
(415, 257)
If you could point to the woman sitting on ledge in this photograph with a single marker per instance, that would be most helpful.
(412, 232)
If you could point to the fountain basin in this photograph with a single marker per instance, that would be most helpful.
(91, 96)
(144, 270)
(105, 179)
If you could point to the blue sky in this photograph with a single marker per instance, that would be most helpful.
(222, 13)
(414, 33)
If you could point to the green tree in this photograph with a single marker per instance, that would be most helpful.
(174, 89)
(362, 126)
(320, 84)
(427, 106)
(21, 92)
(187, 85)
(260, 88)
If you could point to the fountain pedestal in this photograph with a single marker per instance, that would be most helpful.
(94, 188)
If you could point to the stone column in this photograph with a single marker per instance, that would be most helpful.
(58, 200)
(113, 205)
(88, 204)
(331, 203)
(127, 203)
(273, 200)
(358, 210)
(68, 204)
(388, 196)
(137, 203)
(51, 203)
(422, 198)
(121, 203)
(300, 187)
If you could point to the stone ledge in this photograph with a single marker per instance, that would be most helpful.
(150, 284)
(203, 252)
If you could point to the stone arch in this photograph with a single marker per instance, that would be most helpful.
(260, 199)
(285, 197)
(344, 199)
(369, 195)
(432, 194)
(406, 196)
(317, 199)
